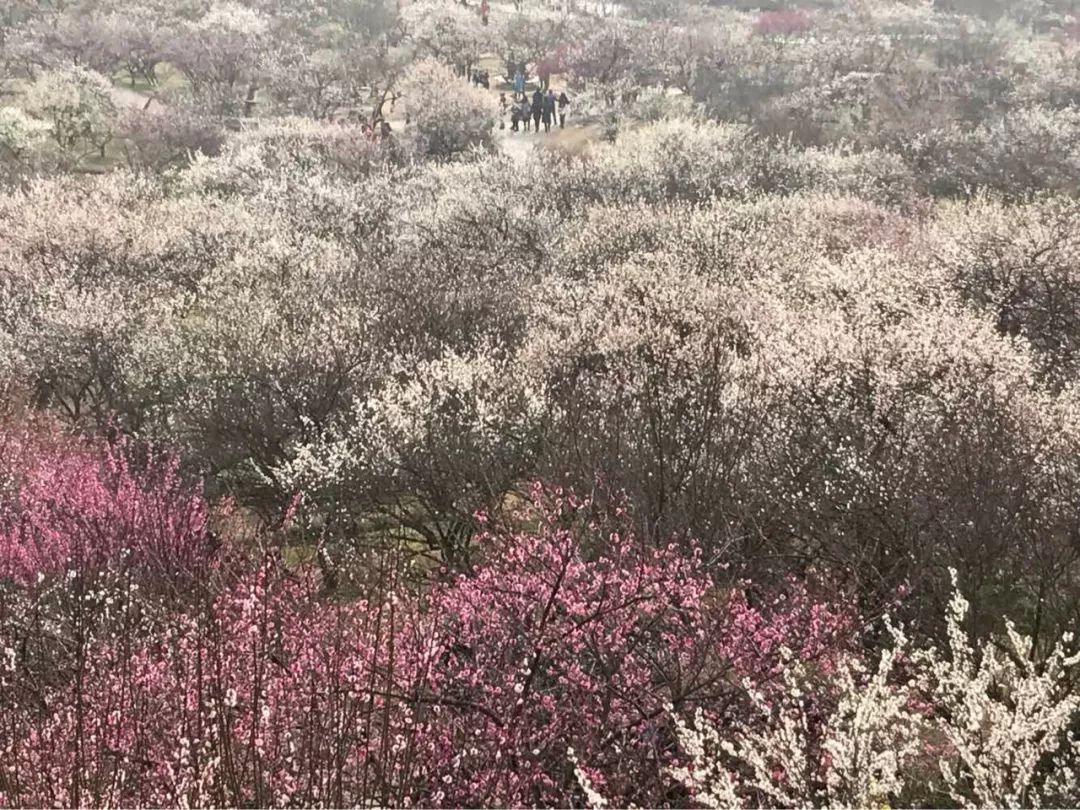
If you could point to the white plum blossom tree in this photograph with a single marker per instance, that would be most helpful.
(76, 105)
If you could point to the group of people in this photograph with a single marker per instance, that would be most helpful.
(481, 78)
(544, 108)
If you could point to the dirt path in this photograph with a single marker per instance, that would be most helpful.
(574, 138)
(517, 144)
(127, 99)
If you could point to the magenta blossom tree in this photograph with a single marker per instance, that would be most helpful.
(263, 687)
(82, 508)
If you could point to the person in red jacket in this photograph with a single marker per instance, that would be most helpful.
(485, 9)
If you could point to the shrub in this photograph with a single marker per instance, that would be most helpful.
(158, 138)
(997, 724)
(77, 106)
(446, 116)
(85, 510)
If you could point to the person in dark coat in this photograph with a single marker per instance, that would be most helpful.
(515, 118)
(549, 110)
(525, 112)
(537, 109)
(564, 102)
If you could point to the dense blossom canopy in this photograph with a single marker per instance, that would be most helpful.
(358, 447)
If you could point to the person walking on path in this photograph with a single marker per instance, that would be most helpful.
(549, 110)
(564, 102)
(525, 112)
(485, 9)
(537, 108)
(519, 85)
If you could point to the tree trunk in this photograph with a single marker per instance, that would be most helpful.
(249, 102)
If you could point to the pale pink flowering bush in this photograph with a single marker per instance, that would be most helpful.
(783, 22)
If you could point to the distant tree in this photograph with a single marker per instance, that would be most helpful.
(220, 55)
(70, 38)
(529, 38)
(781, 23)
(77, 106)
(606, 54)
(448, 32)
(140, 38)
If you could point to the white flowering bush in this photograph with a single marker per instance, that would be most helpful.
(1006, 716)
(23, 143)
(995, 719)
(20, 134)
(76, 107)
(1016, 264)
(633, 394)
(682, 159)
(447, 117)
(993, 155)
(220, 55)
(448, 33)
(288, 153)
